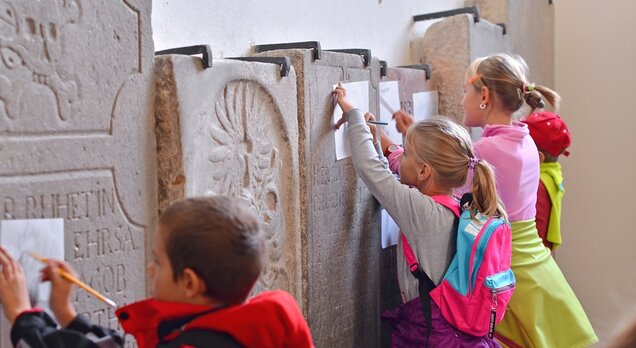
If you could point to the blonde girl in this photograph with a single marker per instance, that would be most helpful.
(436, 160)
(544, 311)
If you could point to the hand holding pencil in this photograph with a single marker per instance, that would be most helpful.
(63, 280)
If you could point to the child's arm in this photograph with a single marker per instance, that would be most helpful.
(400, 201)
(33, 327)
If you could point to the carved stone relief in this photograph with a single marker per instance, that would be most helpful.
(239, 138)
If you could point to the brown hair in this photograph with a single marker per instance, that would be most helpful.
(220, 239)
(447, 148)
(507, 79)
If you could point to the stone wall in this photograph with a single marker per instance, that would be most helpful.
(77, 137)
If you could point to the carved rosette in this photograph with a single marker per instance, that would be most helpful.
(246, 163)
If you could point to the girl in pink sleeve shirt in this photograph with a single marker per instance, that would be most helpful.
(544, 311)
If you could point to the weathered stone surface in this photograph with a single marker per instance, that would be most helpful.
(232, 130)
(530, 27)
(340, 220)
(450, 46)
(77, 136)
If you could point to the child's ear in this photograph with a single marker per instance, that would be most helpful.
(424, 173)
(193, 285)
(485, 94)
(541, 157)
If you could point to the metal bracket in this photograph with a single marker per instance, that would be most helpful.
(204, 50)
(315, 45)
(503, 26)
(428, 16)
(284, 62)
(426, 67)
(383, 67)
(365, 53)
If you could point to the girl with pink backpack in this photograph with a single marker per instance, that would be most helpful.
(436, 160)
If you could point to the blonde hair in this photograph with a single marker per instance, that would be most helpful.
(447, 148)
(507, 79)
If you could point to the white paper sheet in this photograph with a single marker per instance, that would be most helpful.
(425, 105)
(358, 96)
(42, 236)
(390, 230)
(389, 104)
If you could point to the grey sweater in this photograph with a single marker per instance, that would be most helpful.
(428, 226)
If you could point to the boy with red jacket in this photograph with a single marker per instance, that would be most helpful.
(207, 256)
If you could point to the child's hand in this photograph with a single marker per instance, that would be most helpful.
(340, 92)
(403, 121)
(61, 291)
(14, 295)
(370, 117)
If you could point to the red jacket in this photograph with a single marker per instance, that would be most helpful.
(270, 319)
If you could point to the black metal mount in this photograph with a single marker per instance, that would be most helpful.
(315, 45)
(426, 67)
(435, 15)
(383, 67)
(283, 62)
(365, 53)
(503, 26)
(204, 50)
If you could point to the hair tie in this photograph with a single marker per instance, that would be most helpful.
(474, 78)
(528, 87)
(473, 162)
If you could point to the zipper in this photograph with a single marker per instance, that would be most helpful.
(489, 227)
(493, 308)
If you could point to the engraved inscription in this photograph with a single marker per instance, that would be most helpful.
(245, 162)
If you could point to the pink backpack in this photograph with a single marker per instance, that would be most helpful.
(479, 282)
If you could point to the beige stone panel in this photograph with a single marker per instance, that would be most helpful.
(232, 130)
(450, 46)
(77, 137)
(530, 27)
(340, 220)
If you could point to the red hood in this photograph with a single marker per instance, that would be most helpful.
(270, 319)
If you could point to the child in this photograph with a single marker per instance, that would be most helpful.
(437, 156)
(544, 311)
(207, 256)
(552, 137)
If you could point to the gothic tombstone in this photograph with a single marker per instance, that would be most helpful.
(530, 27)
(340, 220)
(77, 137)
(232, 130)
(450, 46)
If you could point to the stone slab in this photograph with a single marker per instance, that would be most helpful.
(77, 136)
(410, 81)
(450, 46)
(340, 220)
(530, 27)
(232, 130)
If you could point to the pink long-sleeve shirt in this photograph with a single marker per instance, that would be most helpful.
(515, 159)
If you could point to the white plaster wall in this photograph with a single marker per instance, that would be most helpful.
(231, 27)
(595, 75)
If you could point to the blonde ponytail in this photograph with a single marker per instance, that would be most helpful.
(484, 190)
(447, 148)
(533, 98)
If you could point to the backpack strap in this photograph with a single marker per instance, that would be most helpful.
(425, 283)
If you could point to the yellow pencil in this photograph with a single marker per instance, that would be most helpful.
(79, 283)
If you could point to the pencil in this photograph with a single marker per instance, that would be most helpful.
(79, 283)
(378, 122)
